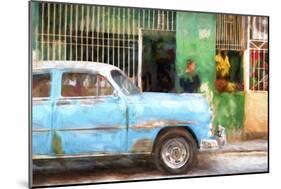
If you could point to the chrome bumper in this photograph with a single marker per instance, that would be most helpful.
(215, 142)
(212, 144)
(209, 144)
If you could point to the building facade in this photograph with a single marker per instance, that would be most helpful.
(142, 42)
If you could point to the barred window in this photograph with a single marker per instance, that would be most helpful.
(230, 45)
(95, 33)
(258, 46)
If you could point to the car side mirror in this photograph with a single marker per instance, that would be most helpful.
(115, 94)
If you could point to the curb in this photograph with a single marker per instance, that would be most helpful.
(222, 151)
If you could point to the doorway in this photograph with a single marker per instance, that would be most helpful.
(158, 61)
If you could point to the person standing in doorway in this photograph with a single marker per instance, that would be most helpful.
(191, 81)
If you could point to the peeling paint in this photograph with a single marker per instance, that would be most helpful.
(163, 123)
(56, 144)
(208, 93)
(204, 33)
(229, 110)
(105, 128)
(143, 145)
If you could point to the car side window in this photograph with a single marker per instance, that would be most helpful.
(41, 85)
(85, 84)
(125, 84)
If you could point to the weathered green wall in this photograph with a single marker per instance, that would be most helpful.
(229, 109)
(196, 39)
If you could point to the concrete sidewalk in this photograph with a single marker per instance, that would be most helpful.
(243, 146)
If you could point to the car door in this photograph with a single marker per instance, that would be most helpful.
(89, 118)
(42, 107)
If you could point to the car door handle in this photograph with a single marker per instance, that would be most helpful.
(59, 103)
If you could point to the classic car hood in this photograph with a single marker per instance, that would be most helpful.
(171, 106)
(196, 101)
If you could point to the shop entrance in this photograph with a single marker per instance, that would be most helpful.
(158, 61)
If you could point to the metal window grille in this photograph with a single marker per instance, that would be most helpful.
(96, 33)
(258, 50)
(230, 33)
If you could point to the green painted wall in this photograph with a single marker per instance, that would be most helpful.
(229, 109)
(196, 39)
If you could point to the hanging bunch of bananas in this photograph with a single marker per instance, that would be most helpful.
(222, 65)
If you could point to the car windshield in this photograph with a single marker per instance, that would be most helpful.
(126, 85)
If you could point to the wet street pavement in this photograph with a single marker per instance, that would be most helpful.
(87, 170)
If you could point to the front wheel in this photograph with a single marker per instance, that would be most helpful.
(175, 152)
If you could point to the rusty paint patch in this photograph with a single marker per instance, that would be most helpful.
(56, 144)
(143, 145)
(105, 128)
(156, 124)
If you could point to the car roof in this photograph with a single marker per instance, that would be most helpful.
(73, 65)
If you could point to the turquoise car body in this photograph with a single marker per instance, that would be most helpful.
(110, 125)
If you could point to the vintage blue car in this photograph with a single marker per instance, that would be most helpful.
(82, 109)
